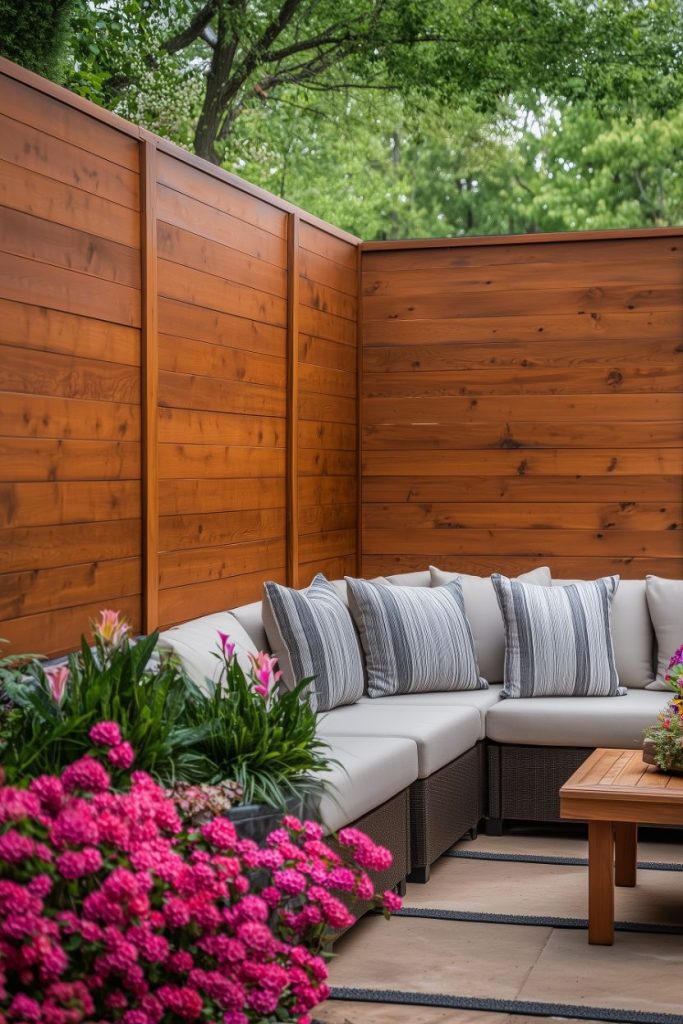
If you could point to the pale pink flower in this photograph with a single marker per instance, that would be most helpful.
(57, 679)
(111, 628)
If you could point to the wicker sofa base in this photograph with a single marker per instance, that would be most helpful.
(389, 825)
(524, 782)
(443, 807)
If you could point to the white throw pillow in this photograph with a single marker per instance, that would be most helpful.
(196, 642)
(484, 615)
(665, 602)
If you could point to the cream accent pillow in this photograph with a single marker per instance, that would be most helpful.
(196, 642)
(665, 602)
(485, 616)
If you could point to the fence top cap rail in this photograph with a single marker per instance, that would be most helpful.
(607, 234)
(58, 92)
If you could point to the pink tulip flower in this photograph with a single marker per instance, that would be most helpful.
(57, 679)
(111, 628)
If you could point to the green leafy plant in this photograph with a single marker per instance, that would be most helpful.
(266, 741)
(47, 713)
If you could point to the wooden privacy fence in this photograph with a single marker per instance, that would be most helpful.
(179, 414)
(522, 404)
(178, 353)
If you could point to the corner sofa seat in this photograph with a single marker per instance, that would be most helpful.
(440, 734)
(575, 721)
(482, 700)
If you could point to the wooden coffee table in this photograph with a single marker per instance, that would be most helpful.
(613, 791)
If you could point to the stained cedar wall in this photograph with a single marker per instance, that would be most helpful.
(155, 315)
(523, 404)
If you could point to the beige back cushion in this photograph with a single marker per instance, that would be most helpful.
(485, 617)
(410, 579)
(632, 634)
(196, 642)
(250, 617)
(665, 603)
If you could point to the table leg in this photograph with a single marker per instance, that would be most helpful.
(626, 852)
(600, 883)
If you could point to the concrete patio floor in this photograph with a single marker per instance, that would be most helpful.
(640, 972)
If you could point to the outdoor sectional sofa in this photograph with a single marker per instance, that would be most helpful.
(417, 771)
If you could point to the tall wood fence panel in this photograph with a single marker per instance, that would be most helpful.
(327, 401)
(178, 387)
(522, 404)
(70, 317)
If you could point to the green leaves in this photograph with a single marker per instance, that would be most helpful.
(269, 747)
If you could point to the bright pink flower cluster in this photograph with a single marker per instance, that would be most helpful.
(109, 910)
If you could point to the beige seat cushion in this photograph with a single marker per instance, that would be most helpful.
(485, 617)
(482, 700)
(575, 721)
(665, 602)
(371, 770)
(441, 734)
(632, 633)
(196, 642)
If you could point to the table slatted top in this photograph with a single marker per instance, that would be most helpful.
(622, 773)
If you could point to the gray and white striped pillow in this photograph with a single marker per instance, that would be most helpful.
(311, 633)
(558, 640)
(415, 639)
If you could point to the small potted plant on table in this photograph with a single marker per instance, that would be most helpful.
(663, 744)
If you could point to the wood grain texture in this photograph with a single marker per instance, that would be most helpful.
(71, 423)
(522, 401)
(327, 421)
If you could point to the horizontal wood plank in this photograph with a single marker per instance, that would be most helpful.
(60, 376)
(40, 111)
(60, 246)
(195, 426)
(35, 150)
(183, 496)
(191, 181)
(484, 487)
(178, 604)
(48, 460)
(21, 280)
(51, 330)
(190, 214)
(41, 590)
(59, 631)
(49, 504)
(203, 530)
(180, 319)
(22, 549)
(190, 250)
(34, 415)
(198, 564)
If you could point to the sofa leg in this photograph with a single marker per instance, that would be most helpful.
(401, 887)
(493, 826)
(473, 833)
(420, 875)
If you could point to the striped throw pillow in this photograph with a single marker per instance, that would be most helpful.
(415, 639)
(558, 640)
(311, 633)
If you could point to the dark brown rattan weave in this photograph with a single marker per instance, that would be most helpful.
(389, 825)
(445, 805)
(524, 782)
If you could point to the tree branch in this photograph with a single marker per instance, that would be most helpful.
(194, 29)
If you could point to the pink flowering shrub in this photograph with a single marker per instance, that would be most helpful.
(109, 911)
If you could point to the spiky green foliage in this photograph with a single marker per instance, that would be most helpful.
(267, 744)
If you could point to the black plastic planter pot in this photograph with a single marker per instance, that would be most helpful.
(256, 821)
